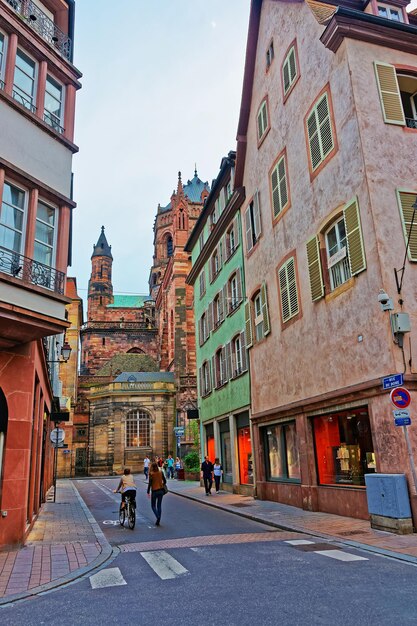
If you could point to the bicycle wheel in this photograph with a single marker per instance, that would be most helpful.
(122, 515)
(131, 516)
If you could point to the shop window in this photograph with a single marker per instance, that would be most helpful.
(138, 426)
(226, 448)
(245, 456)
(211, 450)
(344, 448)
(281, 452)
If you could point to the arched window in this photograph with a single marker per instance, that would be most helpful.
(138, 429)
(134, 351)
(3, 434)
(170, 246)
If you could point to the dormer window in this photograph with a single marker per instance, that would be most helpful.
(391, 13)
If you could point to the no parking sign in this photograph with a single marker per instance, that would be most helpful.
(400, 397)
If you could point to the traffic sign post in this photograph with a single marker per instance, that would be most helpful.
(401, 399)
(57, 437)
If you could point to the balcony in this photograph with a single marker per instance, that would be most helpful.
(43, 25)
(32, 303)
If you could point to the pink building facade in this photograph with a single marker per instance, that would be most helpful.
(327, 155)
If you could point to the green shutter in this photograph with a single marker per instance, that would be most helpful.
(260, 133)
(314, 268)
(248, 325)
(289, 291)
(292, 65)
(265, 314)
(356, 251)
(285, 303)
(405, 202)
(389, 94)
(292, 287)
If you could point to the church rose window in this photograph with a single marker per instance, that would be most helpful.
(138, 429)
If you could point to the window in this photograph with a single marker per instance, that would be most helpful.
(138, 427)
(235, 291)
(320, 132)
(397, 94)
(337, 260)
(258, 308)
(170, 246)
(203, 329)
(263, 123)
(12, 222)
(279, 188)
(217, 310)
(215, 263)
(53, 104)
(289, 70)
(344, 252)
(281, 452)
(202, 281)
(245, 455)
(45, 234)
(406, 200)
(253, 222)
(24, 80)
(288, 290)
(228, 191)
(2, 58)
(258, 317)
(232, 238)
(220, 367)
(344, 448)
(270, 55)
(390, 13)
(237, 351)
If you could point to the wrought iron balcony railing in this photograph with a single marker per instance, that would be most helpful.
(24, 101)
(411, 123)
(52, 121)
(30, 271)
(43, 25)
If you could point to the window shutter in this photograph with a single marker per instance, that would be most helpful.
(279, 187)
(354, 238)
(285, 302)
(264, 117)
(209, 319)
(214, 370)
(286, 76)
(313, 139)
(389, 94)
(406, 201)
(227, 245)
(249, 233)
(244, 352)
(226, 299)
(236, 230)
(275, 192)
(264, 303)
(239, 284)
(314, 268)
(203, 274)
(221, 306)
(211, 263)
(292, 287)
(220, 255)
(225, 365)
(325, 127)
(292, 65)
(248, 325)
(200, 331)
(228, 365)
(200, 380)
(233, 364)
(260, 133)
(257, 215)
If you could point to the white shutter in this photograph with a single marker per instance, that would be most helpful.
(257, 215)
(265, 314)
(356, 249)
(405, 203)
(248, 325)
(236, 229)
(244, 352)
(249, 232)
(314, 268)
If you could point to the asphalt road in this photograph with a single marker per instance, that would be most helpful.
(209, 567)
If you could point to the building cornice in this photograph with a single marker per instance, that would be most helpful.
(226, 217)
(370, 28)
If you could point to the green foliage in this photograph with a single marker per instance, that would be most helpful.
(192, 462)
(194, 430)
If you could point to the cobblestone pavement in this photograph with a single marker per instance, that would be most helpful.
(63, 542)
(346, 529)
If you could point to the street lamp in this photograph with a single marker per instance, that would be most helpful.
(65, 353)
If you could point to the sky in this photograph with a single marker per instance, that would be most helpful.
(162, 81)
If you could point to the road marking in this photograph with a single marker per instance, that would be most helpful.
(341, 556)
(111, 577)
(164, 564)
(299, 542)
(116, 498)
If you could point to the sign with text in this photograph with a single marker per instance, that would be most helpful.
(396, 380)
(179, 431)
(402, 421)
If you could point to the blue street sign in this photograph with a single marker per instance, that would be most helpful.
(396, 380)
(178, 442)
(402, 421)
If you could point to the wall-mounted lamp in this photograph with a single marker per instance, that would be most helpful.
(65, 353)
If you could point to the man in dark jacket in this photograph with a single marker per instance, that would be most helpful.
(207, 474)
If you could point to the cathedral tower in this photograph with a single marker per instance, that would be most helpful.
(100, 288)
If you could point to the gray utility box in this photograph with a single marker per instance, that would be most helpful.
(389, 503)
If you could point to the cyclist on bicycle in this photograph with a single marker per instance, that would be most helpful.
(127, 487)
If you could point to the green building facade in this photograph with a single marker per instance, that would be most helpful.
(217, 276)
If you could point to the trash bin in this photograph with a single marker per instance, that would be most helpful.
(180, 474)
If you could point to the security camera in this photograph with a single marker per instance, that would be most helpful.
(385, 301)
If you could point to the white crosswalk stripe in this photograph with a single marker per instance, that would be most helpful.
(299, 542)
(341, 556)
(111, 577)
(164, 564)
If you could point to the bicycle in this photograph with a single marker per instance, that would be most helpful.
(128, 511)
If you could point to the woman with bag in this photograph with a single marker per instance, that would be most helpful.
(157, 483)
(218, 472)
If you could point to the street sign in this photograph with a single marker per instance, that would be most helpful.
(179, 431)
(400, 397)
(402, 421)
(57, 436)
(178, 442)
(401, 413)
(396, 380)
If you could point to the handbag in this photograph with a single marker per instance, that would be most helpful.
(165, 488)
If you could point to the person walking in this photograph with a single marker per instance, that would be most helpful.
(146, 464)
(156, 484)
(178, 466)
(218, 472)
(170, 467)
(207, 474)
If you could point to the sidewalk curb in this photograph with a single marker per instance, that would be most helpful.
(282, 526)
(106, 554)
